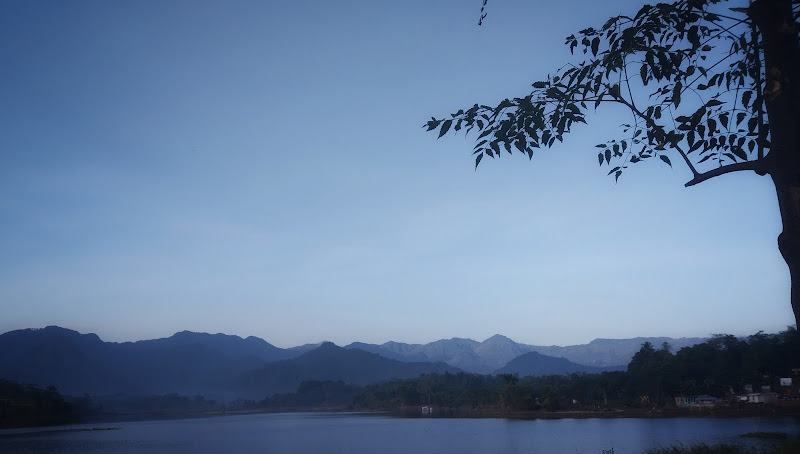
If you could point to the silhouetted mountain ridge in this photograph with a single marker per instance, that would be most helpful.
(225, 366)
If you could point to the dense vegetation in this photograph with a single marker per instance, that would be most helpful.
(22, 405)
(719, 367)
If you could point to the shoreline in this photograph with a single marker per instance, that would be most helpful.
(664, 412)
(751, 411)
(760, 411)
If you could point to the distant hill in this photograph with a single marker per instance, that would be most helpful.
(534, 363)
(329, 362)
(73, 362)
(612, 352)
(187, 363)
(496, 351)
(467, 354)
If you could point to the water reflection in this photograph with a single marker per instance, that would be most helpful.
(307, 433)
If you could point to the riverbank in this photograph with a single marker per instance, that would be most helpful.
(765, 411)
(779, 410)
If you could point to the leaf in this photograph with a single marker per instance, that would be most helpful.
(540, 84)
(676, 94)
(595, 45)
(608, 156)
(746, 98)
(445, 127)
(723, 118)
(478, 160)
(751, 124)
(600, 158)
(665, 159)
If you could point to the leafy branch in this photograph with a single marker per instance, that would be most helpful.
(676, 48)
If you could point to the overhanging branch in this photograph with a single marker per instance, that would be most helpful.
(649, 121)
(736, 167)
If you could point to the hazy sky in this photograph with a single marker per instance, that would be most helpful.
(259, 168)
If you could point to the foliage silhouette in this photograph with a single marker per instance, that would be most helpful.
(714, 86)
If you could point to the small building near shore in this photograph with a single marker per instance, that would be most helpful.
(707, 401)
(760, 398)
(696, 401)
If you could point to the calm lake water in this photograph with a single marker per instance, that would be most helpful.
(305, 433)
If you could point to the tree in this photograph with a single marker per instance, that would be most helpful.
(714, 85)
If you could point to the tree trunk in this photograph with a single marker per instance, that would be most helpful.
(775, 21)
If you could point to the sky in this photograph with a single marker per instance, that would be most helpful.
(259, 168)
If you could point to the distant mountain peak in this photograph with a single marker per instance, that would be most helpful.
(499, 338)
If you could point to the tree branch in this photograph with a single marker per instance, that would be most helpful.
(737, 167)
(653, 124)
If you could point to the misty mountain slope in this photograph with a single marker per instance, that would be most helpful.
(498, 350)
(457, 352)
(329, 362)
(467, 354)
(404, 355)
(612, 352)
(535, 364)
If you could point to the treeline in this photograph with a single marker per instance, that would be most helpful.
(310, 395)
(471, 392)
(173, 403)
(28, 405)
(720, 367)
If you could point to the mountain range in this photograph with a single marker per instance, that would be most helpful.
(228, 367)
(495, 352)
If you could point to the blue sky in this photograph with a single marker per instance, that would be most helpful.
(259, 168)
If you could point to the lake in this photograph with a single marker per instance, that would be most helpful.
(306, 433)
